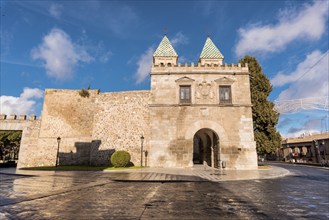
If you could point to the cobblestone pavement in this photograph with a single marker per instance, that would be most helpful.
(304, 194)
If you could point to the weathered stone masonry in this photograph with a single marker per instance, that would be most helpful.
(193, 114)
(90, 128)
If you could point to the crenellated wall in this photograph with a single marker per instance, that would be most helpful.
(16, 118)
(91, 128)
(199, 68)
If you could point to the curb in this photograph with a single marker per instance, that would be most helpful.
(300, 164)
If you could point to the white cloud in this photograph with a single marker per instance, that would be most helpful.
(300, 133)
(309, 127)
(24, 104)
(55, 10)
(100, 52)
(60, 54)
(307, 24)
(144, 65)
(105, 57)
(294, 125)
(179, 38)
(310, 79)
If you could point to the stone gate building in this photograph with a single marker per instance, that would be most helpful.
(193, 114)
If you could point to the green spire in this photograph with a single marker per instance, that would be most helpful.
(210, 51)
(165, 49)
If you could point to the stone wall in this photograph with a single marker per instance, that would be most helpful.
(30, 127)
(173, 129)
(91, 128)
(120, 120)
(68, 115)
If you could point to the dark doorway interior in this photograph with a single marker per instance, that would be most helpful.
(206, 147)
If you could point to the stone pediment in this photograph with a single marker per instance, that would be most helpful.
(184, 79)
(225, 80)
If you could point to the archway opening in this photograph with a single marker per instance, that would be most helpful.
(206, 147)
(9, 147)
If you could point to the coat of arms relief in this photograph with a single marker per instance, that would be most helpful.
(204, 91)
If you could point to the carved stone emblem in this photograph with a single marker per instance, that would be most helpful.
(204, 91)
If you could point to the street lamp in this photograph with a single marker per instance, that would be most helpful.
(142, 141)
(324, 152)
(317, 153)
(58, 142)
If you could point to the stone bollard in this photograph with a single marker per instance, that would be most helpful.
(220, 164)
(224, 164)
(3, 116)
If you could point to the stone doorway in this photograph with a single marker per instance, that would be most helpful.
(206, 147)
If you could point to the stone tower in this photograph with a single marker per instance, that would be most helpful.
(200, 113)
(165, 54)
(210, 54)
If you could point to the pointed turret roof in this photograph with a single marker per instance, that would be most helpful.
(210, 51)
(165, 49)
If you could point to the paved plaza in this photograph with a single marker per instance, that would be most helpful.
(283, 192)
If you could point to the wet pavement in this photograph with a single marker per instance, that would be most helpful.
(303, 194)
(199, 173)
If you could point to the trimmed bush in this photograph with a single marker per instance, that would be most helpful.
(120, 158)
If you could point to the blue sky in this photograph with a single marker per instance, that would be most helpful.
(109, 45)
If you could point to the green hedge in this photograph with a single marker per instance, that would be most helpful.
(120, 158)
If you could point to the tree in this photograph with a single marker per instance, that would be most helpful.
(267, 138)
(9, 144)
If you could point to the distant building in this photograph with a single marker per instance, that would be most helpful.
(193, 114)
(306, 149)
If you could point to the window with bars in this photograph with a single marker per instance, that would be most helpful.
(185, 94)
(225, 95)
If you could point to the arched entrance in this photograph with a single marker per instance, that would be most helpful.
(206, 147)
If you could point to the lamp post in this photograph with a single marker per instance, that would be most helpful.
(58, 142)
(142, 141)
(317, 153)
(324, 152)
